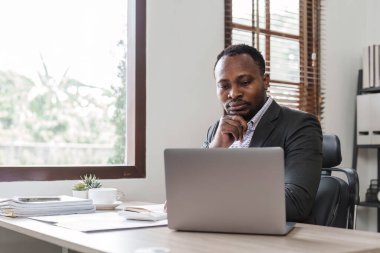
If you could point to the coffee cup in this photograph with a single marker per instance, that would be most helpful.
(103, 196)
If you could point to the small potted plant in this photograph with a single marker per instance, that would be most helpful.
(91, 181)
(80, 190)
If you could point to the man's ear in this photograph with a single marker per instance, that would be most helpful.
(266, 80)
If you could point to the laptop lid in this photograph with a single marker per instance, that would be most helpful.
(226, 190)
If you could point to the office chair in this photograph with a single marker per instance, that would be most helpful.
(336, 200)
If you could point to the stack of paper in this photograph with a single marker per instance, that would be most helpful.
(41, 206)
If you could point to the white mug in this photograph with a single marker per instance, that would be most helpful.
(103, 195)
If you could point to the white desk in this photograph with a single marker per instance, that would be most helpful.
(303, 238)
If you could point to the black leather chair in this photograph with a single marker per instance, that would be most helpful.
(336, 200)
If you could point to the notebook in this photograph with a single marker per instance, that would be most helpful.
(226, 190)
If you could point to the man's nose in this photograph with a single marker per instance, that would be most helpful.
(234, 93)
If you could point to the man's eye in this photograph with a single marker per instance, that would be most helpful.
(223, 86)
(245, 83)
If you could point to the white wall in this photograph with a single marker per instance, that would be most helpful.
(183, 39)
(350, 26)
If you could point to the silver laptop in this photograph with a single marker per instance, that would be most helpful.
(226, 190)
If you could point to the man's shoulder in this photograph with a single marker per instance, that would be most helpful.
(276, 110)
(293, 120)
(294, 113)
(289, 118)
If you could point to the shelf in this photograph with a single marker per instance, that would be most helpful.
(356, 148)
(370, 90)
(368, 146)
(370, 204)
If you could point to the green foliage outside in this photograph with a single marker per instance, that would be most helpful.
(63, 111)
(120, 115)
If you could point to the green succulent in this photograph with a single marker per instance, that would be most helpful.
(91, 181)
(80, 186)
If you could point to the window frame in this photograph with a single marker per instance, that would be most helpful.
(136, 119)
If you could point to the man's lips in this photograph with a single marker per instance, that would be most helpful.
(234, 107)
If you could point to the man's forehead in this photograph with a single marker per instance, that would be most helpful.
(234, 63)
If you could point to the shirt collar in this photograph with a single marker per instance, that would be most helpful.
(256, 118)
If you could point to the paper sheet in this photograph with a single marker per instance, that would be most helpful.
(97, 221)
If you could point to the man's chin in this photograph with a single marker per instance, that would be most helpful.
(244, 115)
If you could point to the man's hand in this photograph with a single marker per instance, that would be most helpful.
(231, 128)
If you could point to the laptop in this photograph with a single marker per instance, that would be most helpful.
(226, 190)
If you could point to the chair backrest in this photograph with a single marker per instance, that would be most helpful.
(336, 198)
(331, 155)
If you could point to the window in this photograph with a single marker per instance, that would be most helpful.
(72, 89)
(286, 33)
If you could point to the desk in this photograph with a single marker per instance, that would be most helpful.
(303, 238)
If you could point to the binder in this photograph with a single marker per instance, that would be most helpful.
(371, 66)
(377, 66)
(365, 68)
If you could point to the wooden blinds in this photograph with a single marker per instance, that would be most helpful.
(287, 34)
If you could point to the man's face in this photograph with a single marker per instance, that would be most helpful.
(240, 87)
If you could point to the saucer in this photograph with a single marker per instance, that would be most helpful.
(108, 206)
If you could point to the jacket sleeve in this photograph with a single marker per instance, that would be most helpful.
(210, 135)
(303, 163)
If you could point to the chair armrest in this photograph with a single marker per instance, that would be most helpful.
(353, 182)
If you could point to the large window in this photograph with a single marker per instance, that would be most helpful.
(72, 89)
(286, 33)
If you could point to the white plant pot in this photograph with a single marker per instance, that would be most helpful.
(80, 194)
(103, 195)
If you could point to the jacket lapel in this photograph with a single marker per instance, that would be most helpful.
(266, 125)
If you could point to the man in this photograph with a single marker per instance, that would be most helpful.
(253, 119)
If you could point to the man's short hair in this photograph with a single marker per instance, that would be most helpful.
(243, 49)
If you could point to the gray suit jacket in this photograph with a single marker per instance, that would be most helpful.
(300, 135)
